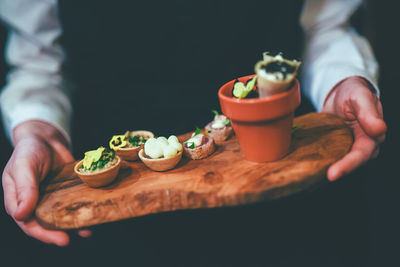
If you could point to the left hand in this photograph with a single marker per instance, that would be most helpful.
(361, 110)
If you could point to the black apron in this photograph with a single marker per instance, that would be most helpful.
(157, 65)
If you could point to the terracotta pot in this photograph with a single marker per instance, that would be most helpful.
(263, 126)
(101, 178)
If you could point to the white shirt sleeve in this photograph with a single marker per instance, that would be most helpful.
(333, 51)
(35, 88)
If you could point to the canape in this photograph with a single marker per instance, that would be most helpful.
(275, 74)
(220, 129)
(161, 154)
(127, 146)
(99, 167)
(198, 146)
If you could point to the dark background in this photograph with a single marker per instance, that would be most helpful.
(352, 222)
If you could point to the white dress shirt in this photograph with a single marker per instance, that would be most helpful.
(36, 88)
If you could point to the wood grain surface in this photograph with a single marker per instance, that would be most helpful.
(223, 179)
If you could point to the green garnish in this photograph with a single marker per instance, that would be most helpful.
(190, 143)
(107, 155)
(197, 132)
(215, 112)
(295, 128)
(136, 140)
(227, 121)
(241, 91)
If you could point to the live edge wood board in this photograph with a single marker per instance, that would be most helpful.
(223, 179)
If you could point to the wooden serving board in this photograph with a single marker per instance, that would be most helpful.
(223, 179)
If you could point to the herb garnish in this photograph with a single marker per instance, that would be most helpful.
(107, 155)
(240, 90)
(136, 140)
(191, 143)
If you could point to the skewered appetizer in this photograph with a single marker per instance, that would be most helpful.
(198, 146)
(127, 146)
(220, 129)
(161, 154)
(99, 167)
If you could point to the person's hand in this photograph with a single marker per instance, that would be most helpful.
(39, 148)
(361, 110)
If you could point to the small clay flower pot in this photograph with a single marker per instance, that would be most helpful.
(131, 153)
(99, 178)
(161, 164)
(263, 126)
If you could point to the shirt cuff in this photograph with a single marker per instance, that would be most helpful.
(330, 76)
(41, 113)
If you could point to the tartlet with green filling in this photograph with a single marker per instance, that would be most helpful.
(220, 129)
(99, 167)
(161, 154)
(127, 146)
(199, 145)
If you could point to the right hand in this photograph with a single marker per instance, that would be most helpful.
(39, 149)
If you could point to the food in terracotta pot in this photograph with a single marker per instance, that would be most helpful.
(245, 90)
(275, 74)
(127, 146)
(198, 146)
(220, 129)
(161, 154)
(99, 167)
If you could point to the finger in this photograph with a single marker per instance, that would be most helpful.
(361, 151)
(380, 139)
(369, 114)
(62, 154)
(26, 186)
(85, 233)
(32, 228)
(10, 194)
(375, 153)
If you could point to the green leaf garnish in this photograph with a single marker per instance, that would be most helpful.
(215, 112)
(191, 146)
(106, 156)
(241, 91)
(136, 140)
(227, 121)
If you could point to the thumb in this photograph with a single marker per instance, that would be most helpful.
(26, 169)
(369, 114)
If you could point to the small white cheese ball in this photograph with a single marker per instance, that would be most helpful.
(162, 141)
(169, 151)
(173, 141)
(153, 149)
(162, 147)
